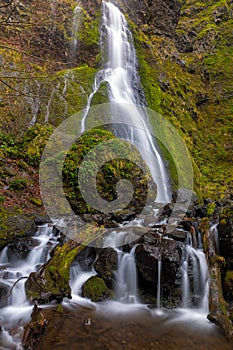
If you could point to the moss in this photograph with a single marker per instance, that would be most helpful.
(210, 209)
(105, 178)
(96, 289)
(18, 184)
(13, 225)
(52, 281)
(34, 142)
(36, 201)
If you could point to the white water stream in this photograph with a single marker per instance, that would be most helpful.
(17, 310)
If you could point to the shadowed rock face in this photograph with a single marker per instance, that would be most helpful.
(155, 17)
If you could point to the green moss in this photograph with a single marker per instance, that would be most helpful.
(18, 184)
(34, 142)
(210, 209)
(105, 178)
(13, 225)
(96, 289)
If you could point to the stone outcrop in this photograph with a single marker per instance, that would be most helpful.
(106, 265)
(169, 252)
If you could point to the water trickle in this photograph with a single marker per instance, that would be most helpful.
(126, 95)
(74, 30)
(159, 285)
(214, 232)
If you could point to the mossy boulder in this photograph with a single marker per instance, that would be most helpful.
(102, 181)
(14, 224)
(106, 265)
(96, 289)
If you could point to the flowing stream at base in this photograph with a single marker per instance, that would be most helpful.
(16, 309)
(126, 305)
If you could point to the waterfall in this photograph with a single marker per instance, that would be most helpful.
(126, 278)
(16, 309)
(195, 285)
(125, 94)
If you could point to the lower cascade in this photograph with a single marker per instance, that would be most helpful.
(157, 274)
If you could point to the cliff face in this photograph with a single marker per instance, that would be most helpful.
(185, 60)
(154, 17)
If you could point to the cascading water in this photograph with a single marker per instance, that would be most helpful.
(74, 29)
(16, 311)
(125, 94)
(126, 278)
(195, 285)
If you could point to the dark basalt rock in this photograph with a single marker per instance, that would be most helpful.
(147, 257)
(21, 247)
(225, 229)
(106, 265)
(4, 293)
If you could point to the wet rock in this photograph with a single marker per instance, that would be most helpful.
(21, 248)
(14, 224)
(95, 289)
(179, 235)
(106, 265)
(217, 304)
(147, 256)
(4, 293)
(86, 257)
(225, 229)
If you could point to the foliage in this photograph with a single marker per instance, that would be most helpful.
(18, 184)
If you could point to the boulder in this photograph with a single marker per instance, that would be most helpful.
(106, 265)
(95, 289)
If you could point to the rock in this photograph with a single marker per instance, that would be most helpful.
(179, 235)
(228, 285)
(15, 224)
(225, 229)
(36, 201)
(4, 292)
(86, 257)
(217, 304)
(21, 247)
(95, 289)
(155, 17)
(106, 265)
(147, 257)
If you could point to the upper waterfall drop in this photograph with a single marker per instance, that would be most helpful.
(126, 95)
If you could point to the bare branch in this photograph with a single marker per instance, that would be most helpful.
(16, 90)
(7, 296)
